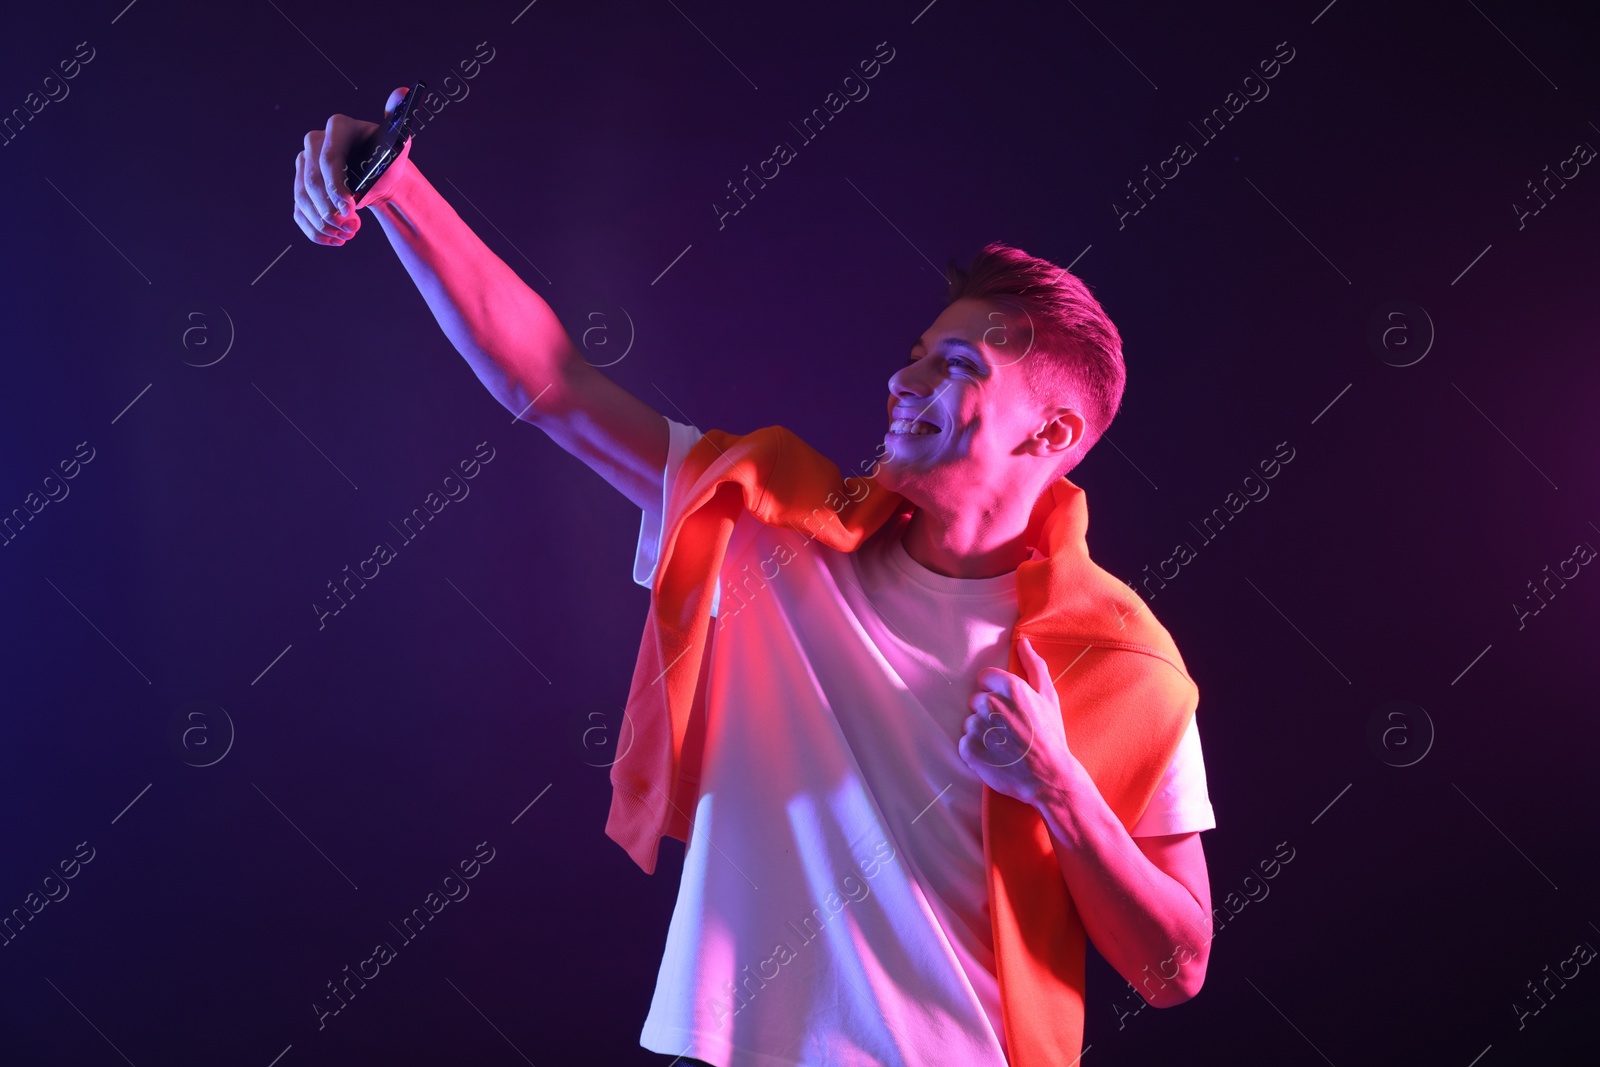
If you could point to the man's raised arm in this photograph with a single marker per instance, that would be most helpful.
(508, 334)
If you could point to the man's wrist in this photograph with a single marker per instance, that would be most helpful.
(1060, 796)
(396, 185)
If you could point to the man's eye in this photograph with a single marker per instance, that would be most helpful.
(954, 361)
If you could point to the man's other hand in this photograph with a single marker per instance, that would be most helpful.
(1014, 739)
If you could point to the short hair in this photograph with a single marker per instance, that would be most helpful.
(1075, 350)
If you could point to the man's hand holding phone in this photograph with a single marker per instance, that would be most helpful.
(324, 207)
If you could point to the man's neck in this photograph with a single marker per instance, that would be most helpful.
(968, 545)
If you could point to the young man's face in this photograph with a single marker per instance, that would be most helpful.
(964, 427)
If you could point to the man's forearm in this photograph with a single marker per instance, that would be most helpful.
(511, 338)
(1144, 922)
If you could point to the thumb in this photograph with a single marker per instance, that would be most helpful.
(380, 191)
(1038, 671)
(337, 186)
(392, 105)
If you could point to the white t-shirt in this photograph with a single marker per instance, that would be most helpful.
(833, 908)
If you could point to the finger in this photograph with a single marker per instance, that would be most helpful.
(996, 680)
(1038, 671)
(1003, 683)
(318, 230)
(300, 221)
(308, 229)
(309, 183)
(396, 98)
(319, 203)
(1002, 719)
(302, 197)
(336, 143)
(985, 702)
(312, 229)
(976, 744)
(313, 223)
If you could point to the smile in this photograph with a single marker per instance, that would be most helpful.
(912, 427)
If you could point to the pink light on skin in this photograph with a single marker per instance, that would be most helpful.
(974, 483)
(993, 449)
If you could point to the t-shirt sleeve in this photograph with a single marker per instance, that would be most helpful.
(647, 553)
(1181, 803)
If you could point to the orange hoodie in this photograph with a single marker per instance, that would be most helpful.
(1126, 698)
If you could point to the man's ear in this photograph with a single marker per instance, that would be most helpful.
(1061, 432)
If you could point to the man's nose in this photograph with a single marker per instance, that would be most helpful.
(909, 381)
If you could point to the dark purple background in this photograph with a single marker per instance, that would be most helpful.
(460, 684)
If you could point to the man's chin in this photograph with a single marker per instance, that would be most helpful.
(897, 472)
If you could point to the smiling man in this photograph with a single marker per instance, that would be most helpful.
(934, 751)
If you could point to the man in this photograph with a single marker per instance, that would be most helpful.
(866, 777)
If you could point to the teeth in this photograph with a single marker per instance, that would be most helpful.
(912, 426)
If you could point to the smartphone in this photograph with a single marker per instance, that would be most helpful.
(372, 157)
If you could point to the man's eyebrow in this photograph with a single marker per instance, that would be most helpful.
(970, 349)
(952, 342)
